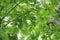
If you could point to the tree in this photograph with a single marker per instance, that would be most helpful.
(29, 19)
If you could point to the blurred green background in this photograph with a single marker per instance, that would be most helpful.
(29, 19)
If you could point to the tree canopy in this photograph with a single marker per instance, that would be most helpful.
(29, 19)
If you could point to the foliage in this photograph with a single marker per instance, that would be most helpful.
(32, 19)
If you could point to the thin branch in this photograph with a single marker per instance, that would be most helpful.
(10, 10)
